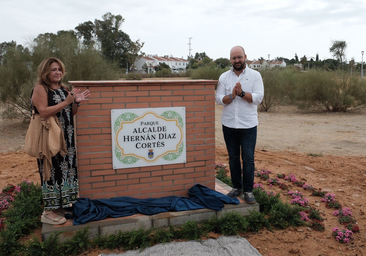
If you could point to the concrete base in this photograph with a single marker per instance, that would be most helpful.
(113, 225)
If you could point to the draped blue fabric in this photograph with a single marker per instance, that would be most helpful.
(200, 197)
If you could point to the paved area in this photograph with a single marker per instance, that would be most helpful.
(223, 246)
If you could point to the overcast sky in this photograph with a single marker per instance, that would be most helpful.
(263, 27)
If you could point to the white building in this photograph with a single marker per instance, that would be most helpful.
(176, 64)
(256, 64)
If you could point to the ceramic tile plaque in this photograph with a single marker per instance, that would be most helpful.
(148, 136)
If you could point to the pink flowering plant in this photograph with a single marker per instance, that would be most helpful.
(263, 174)
(344, 216)
(271, 194)
(291, 178)
(318, 192)
(5, 201)
(273, 181)
(342, 235)
(220, 166)
(297, 198)
(258, 185)
(343, 212)
(330, 201)
(328, 198)
(308, 187)
(2, 223)
(308, 214)
(304, 216)
(281, 175)
(7, 196)
(317, 225)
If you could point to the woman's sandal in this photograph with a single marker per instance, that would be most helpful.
(58, 220)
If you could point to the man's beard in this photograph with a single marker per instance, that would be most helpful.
(239, 68)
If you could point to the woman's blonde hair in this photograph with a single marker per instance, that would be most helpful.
(44, 69)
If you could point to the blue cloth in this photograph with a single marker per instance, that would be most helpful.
(200, 197)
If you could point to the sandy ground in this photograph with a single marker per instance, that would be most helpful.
(326, 150)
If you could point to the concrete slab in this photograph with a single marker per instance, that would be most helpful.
(113, 225)
(222, 246)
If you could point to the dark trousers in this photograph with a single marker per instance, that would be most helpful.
(241, 141)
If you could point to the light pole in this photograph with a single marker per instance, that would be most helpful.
(362, 65)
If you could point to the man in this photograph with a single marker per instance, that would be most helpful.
(240, 90)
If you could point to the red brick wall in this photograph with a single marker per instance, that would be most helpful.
(98, 179)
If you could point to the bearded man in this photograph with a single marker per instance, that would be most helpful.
(240, 90)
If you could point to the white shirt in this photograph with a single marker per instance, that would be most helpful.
(239, 113)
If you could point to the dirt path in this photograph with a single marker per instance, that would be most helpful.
(286, 128)
(286, 137)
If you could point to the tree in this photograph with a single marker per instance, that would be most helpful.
(161, 66)
(200, 56)
(192, 64)
(223, 62)
(303, 60)
(85, 31)
(338, 49)
(115, 44)
(145, 68)
(352, 64)
(135, 53)
(17, 76)
(206, 61)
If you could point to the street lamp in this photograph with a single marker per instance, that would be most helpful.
(362, 65)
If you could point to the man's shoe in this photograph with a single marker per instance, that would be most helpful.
(249, 198)
(235, 192)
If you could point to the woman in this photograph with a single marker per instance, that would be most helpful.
(50, 97)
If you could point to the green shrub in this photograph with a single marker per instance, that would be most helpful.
(314, 214)
(265, 201)
(272, 91)
(21, 218)
(133, 76)
(209, 73)
(136, 239)
(221, 175)
(113, 241)
(161, 235)
(283, 215)
(257, 220)
(77, 244)
(232, 223)
(50, 246)
(330, 91)
(165, 72)
(190, 231)
(212, 225)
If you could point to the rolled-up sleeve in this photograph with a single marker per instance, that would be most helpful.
(258, 90)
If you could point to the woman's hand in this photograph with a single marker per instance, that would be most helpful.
(80, 96)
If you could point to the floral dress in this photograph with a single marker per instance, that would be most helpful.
(62, 188)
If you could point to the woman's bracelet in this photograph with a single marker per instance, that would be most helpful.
(77, 103)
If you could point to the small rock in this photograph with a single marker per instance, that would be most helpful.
(300, 230)
(309, 229)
